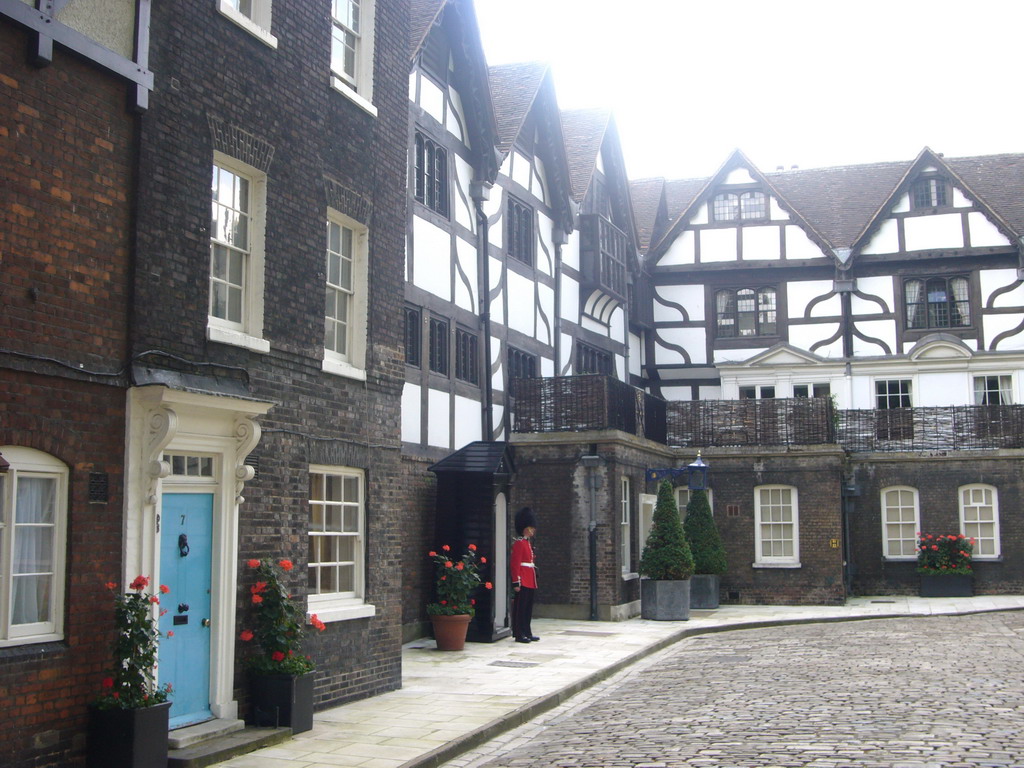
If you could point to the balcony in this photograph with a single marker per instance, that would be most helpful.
(604, 249)
(594, 402)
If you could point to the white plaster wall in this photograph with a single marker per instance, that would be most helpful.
(521, 169)
(710, 393)
(620, 367)
(571, 250)
(467, 421)
(690, 297)
(942, 388)
(599, 164)
(683, 250)
(760, 243)
(775, 211)
(902, 205)
(432, 263)
(567, 354)
(111, 23)
(693, 340)
(943, 230)
(880, 287)
(617, 325)
(884, 330)
(800, 294)
(546, 314)
(547, 366)
(411, 413)
(456, 116)
(499, 414)
(862, 389)
(570, 304)
(739, 176)
(885, 240)
(984, 232)
(439, 413)
(678, 394)
(700, 216)
(506, 166)
(432, 99)
(495, 219)
(960, 200)
(635, 354)
(466, 281)
(799, 245)
(806, 336)
(735, 355)
(497, 269)
(994, 279)
(521, 305)
(545, 261)
(539, 180)
(718, 245)
(463, 207)
(590, 324)
(497, 364)
(997, 324)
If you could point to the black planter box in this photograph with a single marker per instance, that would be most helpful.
(953, 585)
(128, 738)
(279, 700)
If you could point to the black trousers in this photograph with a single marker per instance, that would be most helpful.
(522, 612)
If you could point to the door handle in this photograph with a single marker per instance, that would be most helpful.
(206, 622)
(183, 545)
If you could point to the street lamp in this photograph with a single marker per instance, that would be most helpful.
(697, 477)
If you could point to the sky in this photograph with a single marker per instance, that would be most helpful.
(788, 82)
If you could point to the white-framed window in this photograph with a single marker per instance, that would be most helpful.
(777, 527)
(901, 521)
(251, 15)
(683, 498)
(352, 32)
(337, 543)
(626, 512)
(345, 299)
(33, 532)
(238, 224)
(648, 501)
(979, 519)
(993, 390)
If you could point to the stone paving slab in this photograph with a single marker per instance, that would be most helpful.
(484, 690)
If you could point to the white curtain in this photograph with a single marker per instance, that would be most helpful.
(32, 567)
(912, 291)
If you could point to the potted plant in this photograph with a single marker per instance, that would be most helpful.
(128, 722)
(667, 564)
(944, 563)
(709, 561)
(280, 675)
(454, 586)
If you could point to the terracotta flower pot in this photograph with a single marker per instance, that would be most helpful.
(450, 631)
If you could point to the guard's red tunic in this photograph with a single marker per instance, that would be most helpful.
(523, 571)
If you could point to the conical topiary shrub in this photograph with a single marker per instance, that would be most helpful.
(666, 555)
(702, 536)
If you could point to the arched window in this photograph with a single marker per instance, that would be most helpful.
(901, 521)
(745, 312)
(33, 526)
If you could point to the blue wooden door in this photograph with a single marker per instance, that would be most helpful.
(186, 539)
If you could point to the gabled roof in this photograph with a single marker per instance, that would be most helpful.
(996, 179)
(584, 131)
(514, 88)
(647, 196)
(422, 16)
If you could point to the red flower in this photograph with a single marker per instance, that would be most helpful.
(460, 565)
(108, 682)
(258, 587)
(935, 547)
(277, 656)
(141, 582)
(432, 553)
(483, 560)
(472, 547)
(472, 601)
(448, 564)
(117, 695)
(246, 636)
(317, 623)
(164, 589)
(444, 602)
(171, 633)
(256, 599)
(446, 548)
(286, 565)
(253, 563)
(111, 585)
(154, 599)
(488, 585)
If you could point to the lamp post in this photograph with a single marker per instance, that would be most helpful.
(592, 462)
(697, 477)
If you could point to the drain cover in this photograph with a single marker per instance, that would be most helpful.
(513, 664)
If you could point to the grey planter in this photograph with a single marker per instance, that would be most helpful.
(704, 590)
(665, 600)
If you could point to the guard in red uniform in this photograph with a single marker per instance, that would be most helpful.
(524, 576)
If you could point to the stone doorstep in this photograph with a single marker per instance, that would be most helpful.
(223, 745)
(180, 738)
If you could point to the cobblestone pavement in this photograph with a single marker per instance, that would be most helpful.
(935, 692)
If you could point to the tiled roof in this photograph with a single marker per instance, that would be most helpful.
(422, 14)
(646, 196)
(998, 181)
(513, 90)
(679, 193)
(584, 131)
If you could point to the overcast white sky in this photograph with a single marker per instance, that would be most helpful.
(790, 82)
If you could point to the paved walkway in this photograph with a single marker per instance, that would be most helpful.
(451, 702)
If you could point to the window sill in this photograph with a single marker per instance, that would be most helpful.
(776, 565)
(630, 576)
(345, 90)
(340, 368)
(899, 559)
(254, 29)
(236, 338)
(342, 609)
(31, 640)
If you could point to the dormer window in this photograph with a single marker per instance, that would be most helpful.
(740, 206)
(930, 192)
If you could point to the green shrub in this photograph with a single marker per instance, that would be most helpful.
(666, 555)
(702, 536)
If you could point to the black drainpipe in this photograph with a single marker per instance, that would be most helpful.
(481, 192)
